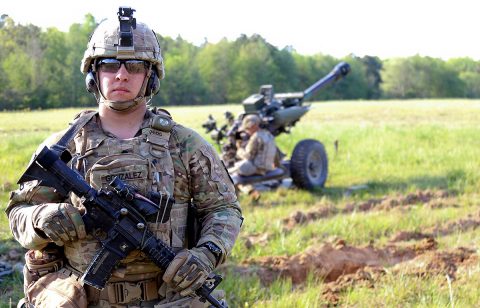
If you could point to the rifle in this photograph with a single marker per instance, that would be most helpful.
(120, 213)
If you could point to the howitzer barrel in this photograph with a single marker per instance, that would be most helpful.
(287, 116)
(339, 71)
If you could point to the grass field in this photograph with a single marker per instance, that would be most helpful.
(396, 224)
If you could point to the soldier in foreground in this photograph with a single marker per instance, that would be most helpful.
(257, 155)
(163, 161)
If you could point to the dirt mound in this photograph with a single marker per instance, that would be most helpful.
(404, 236)
(430, 263)
(461, 225)
(464, 224)
(385, 203)
(300, 218)
(435, 263)
(365, 277)
(432, 199)
(342, 266)
(330, 261)
(469, 266)
(257, 239)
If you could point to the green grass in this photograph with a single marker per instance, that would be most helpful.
(391, 147)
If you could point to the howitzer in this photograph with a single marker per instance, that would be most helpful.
(282, 111)
(121, 213)
(279, 112)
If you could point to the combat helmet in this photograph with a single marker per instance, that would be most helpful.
(123, 39)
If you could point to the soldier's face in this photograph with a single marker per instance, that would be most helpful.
(121, 85)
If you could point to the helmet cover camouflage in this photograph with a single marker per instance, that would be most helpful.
(104, 43)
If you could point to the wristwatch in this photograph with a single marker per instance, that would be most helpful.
(214, 249)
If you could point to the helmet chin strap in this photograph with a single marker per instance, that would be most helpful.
(124, 106)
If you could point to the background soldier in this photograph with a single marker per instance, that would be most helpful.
(257, 155)
(147, 150)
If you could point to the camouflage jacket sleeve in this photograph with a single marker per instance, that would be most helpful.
(211, 190)
(23, 203)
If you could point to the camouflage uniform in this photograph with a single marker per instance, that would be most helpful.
(171, 160)
(258, 156)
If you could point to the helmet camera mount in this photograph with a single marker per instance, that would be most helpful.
(125, 39)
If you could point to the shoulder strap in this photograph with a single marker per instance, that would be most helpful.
(74, 128)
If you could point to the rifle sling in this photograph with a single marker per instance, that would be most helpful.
(74, 128)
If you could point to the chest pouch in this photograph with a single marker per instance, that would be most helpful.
(132, 169)
(157, 137)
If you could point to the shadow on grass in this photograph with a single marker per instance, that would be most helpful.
(455, 182)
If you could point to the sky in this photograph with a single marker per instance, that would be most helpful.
(384, 28)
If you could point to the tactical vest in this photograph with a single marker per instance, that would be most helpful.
(145, 162)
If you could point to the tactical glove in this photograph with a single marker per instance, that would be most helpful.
(61, 222)
(189, 270)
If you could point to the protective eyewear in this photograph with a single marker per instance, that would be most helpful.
(113, 65)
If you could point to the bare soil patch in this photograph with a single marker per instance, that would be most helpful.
(432, 199)
(471, 222)
(342, 266)
(332, 260)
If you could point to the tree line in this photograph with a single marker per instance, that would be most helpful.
(41, 69)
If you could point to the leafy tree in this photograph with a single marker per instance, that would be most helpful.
(420, 77)
(213, 62)
(373, 67)
(468, 71)
(19, 71)
(285, 72)
(355, 85)
(397, 81)
(53, 71)
(471, 81)
(76, 40)
(182, 83)
(21, 55)
(40, 69)
(3, 19)
(253, 66)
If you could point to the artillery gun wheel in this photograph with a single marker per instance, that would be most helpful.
(309, 164)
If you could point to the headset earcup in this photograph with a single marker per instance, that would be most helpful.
(153, 84)
(90, 82)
